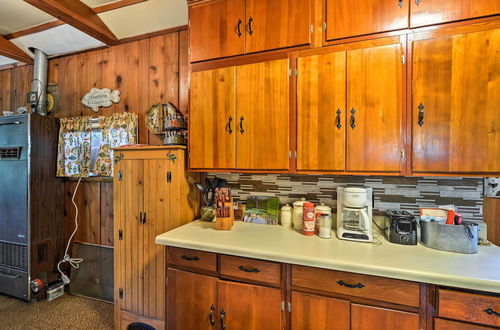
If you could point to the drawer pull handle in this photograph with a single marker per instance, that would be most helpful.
(352, 286)
(491, 311)
(211, 316)
(253, 270)
(185, 257)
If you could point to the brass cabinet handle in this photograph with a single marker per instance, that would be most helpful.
(211, 315)
(420, 114)
(338, 119)
(491, 311)
(239, 27)
(248, 270)
(351, 286)
(222, 316)
(353, 118)
(250, 31)
(241, 125)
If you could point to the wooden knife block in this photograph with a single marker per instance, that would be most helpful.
(225, 223)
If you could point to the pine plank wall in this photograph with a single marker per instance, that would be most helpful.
(147, 71)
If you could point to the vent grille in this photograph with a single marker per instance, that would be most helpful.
(10, 153)
(13, 255)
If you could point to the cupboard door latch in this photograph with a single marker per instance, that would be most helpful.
(120, 176)
(169, 176)
(120, 235)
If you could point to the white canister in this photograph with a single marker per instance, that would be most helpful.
(297, 213)
(286, 216)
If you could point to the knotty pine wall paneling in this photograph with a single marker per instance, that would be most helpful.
(147, 71)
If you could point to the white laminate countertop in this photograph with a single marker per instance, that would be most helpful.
(479, 271)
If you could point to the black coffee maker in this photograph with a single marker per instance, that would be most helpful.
(402, 227)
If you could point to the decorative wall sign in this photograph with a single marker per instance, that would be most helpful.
(97, 98)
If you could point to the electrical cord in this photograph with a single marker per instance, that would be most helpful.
(74, 262)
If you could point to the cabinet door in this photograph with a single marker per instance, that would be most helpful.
(456, 126)
(249, 307)
(275, 24)
(130, 249)
(428, 12)
(319, 313)
(321, 112)
(216, 29)
(375, 103)
(191, 301)
(347, 18)
(374, 318)
(212, 124)
(156, 220)
(262, 115)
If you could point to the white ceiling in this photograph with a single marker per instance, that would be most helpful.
(141, 18)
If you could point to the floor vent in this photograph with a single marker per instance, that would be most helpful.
(13, 255)
(10, 153)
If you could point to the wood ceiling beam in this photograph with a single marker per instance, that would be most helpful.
(10, 50)
(78, 15)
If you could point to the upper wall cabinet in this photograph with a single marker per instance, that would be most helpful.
(428, 12)
(216, 29)
(222, 28)
(350, 106)
(239, 117)
(345, 18)
(456, 99)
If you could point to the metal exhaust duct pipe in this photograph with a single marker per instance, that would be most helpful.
(39, 84)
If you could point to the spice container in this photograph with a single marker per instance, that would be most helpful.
(286, 216)
(325, 225)
(297, 213)
(308, 219)
(321, 209)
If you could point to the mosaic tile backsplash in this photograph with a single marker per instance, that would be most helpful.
(406, 193)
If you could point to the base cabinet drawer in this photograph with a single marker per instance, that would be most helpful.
(374, 318)
(440, 324)
(251, 269)
(469, 307)
(192, 259)
(357, 285)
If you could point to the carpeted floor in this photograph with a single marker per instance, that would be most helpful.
(66, 312)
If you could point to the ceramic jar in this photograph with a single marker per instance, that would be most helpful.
(286, 216)
(297, 213)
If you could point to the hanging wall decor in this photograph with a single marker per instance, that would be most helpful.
(97, 98)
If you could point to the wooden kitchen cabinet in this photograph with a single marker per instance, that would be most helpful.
(350, 106)
(239, 117)
(262, 115)
(375, 107)
(147, 182)
(213, 121)
(321, 111)
(216, 29)
(454, 110)
(319, 313)
(273, 24)
(191, 300)
(223, 28)
(428, 12)
(249, 307)
(375, 318)
(346, 18)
